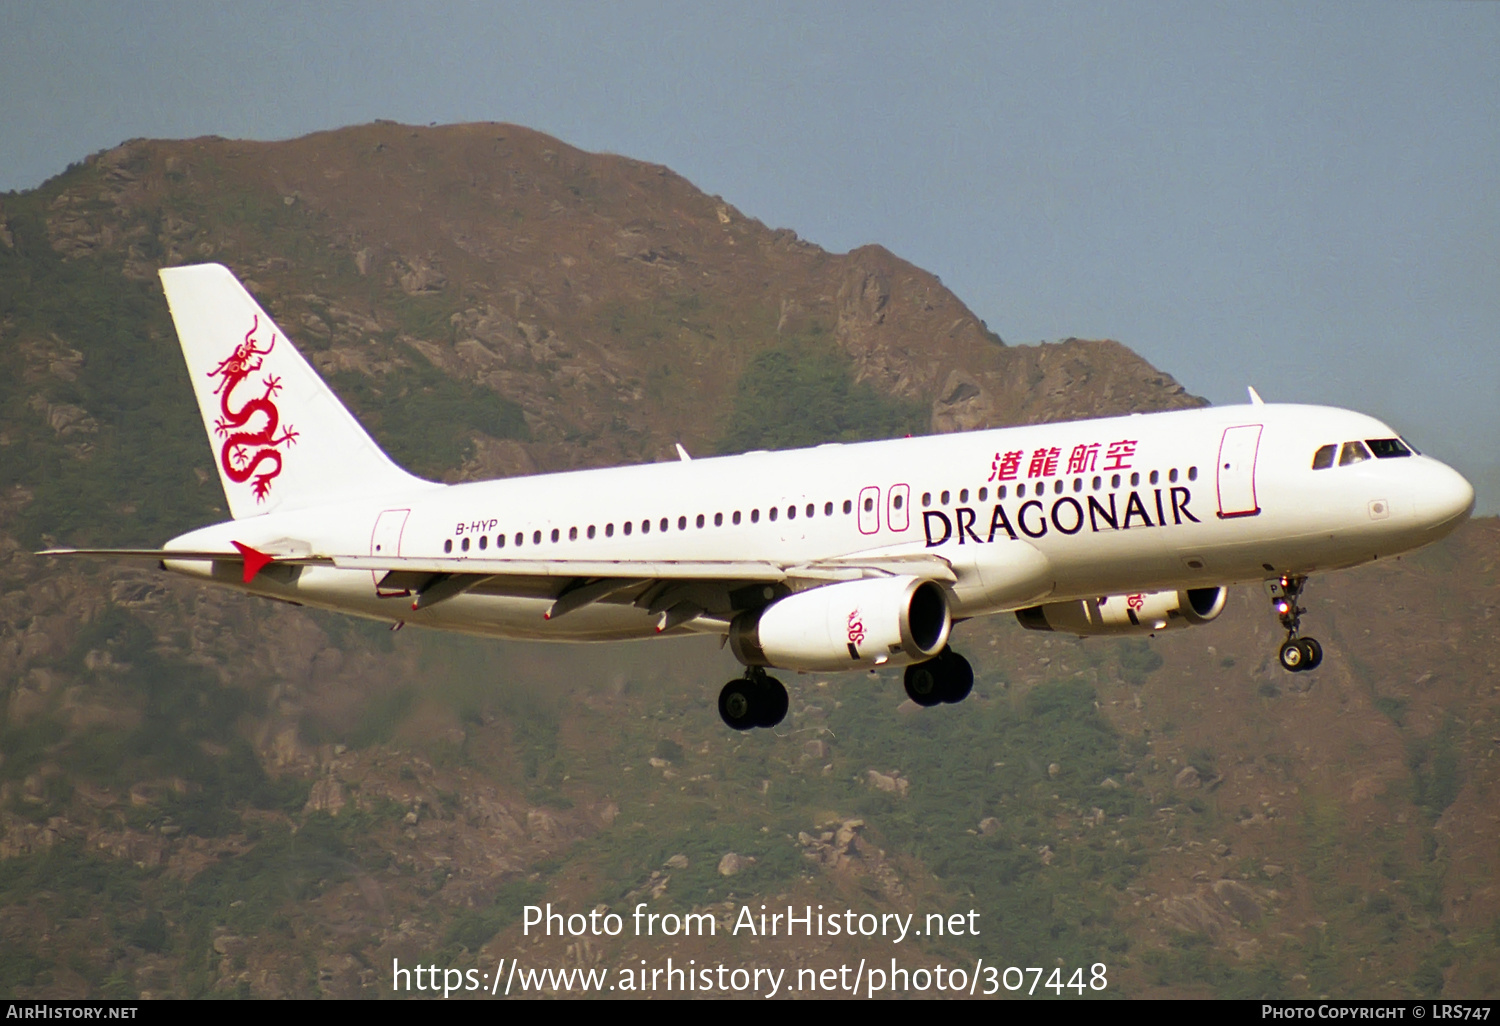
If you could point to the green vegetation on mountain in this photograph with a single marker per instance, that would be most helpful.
(802, 392)
(121, 472)
(423, 418)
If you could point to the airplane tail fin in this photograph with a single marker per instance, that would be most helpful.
(280, 437)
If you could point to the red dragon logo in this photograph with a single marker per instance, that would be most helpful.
(250, 451)
(856, 629)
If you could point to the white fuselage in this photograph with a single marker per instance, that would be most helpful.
(1190, 498)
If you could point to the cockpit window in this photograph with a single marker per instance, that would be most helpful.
(1354, 452)
(1387, 448)
(1323, 458)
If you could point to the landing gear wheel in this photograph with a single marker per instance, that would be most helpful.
(958, 677)
(1313, 651)
(947, 677)
(754, 700)
(924, 683)
(772, 702)
(1294, 657)
(737, 705)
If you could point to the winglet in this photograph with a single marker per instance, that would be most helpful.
(1255, 396)
(255, 560)
(682, 454)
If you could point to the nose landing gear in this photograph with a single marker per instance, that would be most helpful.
(1296, 654)
(754, 700)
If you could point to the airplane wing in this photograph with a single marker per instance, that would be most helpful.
(664, 586)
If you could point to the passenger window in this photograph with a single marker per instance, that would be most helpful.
(1078, 484)
(447, 544)
(926, 500)
(1354, 452)
(1323, 458)
(736, 518)
(1057, 487)
(1192, 473)
(869, 504)
(1114, 481)
(627, 527)
(1021, 491)
(771, 512)
(484, 542)
(700, 519)
(609, 530)
(1387, 448)
(755, 516)
(1000, 492)
(665, 523)
(536, 537)
(499, 541)
(464, 545)
(645, 527)
(1155, 476)
(1172, 475)
(811, 509)
(791, 512)
(848, 506)
(963, 495)
(682, 523)
(718, 520)
(520, 537)
(555, 534)
(984, 493)
(1098, 483)
(896, 502)
(827, 510)
(572, 534)
(1135, 479)
(591, 532)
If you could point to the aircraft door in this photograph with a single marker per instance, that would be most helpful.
(898, 513)
(1236, 471)
(385, 540)
(869, 510)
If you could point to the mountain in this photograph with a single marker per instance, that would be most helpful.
(204, 794)
(602, 308)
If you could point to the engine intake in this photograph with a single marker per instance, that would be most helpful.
(1142, 613)
(852, 625)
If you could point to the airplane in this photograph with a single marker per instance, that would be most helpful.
(838, 557)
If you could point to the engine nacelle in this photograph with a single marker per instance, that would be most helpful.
(885, 621)
(1142, 613)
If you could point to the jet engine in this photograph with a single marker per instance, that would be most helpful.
(1141, 613)
(851, 625)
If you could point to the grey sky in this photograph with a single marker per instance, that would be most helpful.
(1301, 196)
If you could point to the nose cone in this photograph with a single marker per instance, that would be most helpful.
(1444, 498)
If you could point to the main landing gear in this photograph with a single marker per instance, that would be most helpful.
(947, 677)
(1296, 654)
(754, 700)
